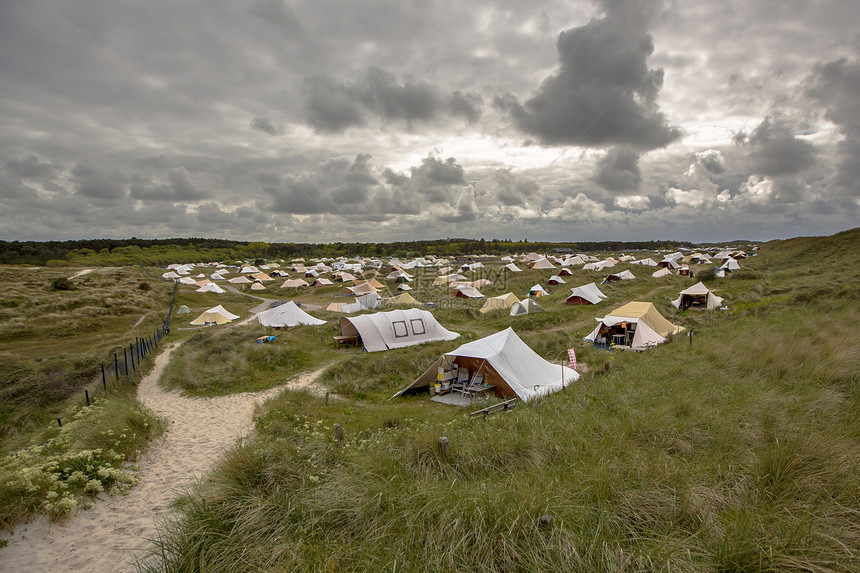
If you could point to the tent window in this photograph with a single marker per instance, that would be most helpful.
(400, 329)
(418, 326)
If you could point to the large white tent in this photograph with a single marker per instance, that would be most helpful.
(506, 362)
(395, 329)
(287, 314)
(211, 287)
(697, 295)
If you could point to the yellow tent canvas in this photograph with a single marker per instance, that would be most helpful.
(215, 315)
(648, 313)
(500, 302)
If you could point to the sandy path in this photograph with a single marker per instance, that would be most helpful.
(107, 537)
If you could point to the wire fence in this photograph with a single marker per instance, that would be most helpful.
(123, 364)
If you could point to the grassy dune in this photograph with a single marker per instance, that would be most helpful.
(736, 452)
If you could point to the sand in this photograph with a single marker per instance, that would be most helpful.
(116, 530)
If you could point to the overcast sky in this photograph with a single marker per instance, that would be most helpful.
(322, 120)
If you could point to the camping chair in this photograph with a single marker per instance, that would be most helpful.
(462, 380)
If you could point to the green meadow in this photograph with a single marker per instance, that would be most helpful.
(736, 449)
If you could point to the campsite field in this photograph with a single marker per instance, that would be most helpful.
(735, 450)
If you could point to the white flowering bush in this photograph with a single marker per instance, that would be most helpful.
(82, 459)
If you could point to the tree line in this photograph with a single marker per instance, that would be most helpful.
(158, 252)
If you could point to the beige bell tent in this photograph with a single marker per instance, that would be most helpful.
(361, 288)
(404, 299)
(394, 329)
(663, 272)
(541, 264)
(294, 283)
(215, 315)
(635, 324)
(501, 302)
(505, 363)
(697, 296)
(285, 315)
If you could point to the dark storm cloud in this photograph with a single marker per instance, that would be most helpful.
(93, 180)
(509, 189)
(712, 160)
(340, 186)
(603, 92)
(178, 188)
(775, 150)
(29, 168)
(836, 84)
(467, 106)
(618, 171)
(464, 213)
(333, 106)
(264, 125)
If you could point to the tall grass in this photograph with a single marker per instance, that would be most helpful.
(736, 451)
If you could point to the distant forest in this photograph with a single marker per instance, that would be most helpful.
(159, 252)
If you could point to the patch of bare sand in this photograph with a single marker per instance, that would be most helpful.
(108, 537)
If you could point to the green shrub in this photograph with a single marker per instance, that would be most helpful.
(62, 283)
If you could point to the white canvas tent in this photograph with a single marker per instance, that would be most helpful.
(395, 329)
(287, 314)
(697, 295)
(622, 276)
(731, 265)
(664, 272)
(211, 287)
(504, 361)
(537, 290)
(215, 315)
(585, 294)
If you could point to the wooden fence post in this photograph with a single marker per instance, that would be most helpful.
(104, 380)
(443, 446)
(338, 433)
(87, 395)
